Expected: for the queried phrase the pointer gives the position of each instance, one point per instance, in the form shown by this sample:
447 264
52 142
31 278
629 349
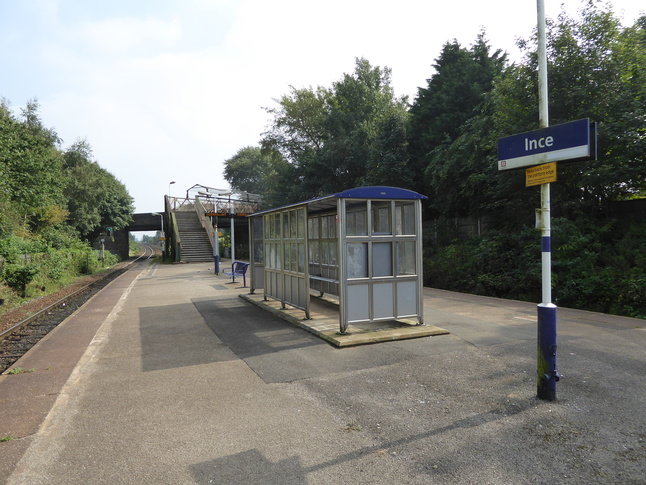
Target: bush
18 277
596 267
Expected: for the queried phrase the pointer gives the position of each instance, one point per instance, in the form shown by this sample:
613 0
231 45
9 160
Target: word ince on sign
530 145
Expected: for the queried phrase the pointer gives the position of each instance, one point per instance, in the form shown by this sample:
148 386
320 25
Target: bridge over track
147 221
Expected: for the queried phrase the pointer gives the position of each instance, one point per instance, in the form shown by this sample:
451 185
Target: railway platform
169 376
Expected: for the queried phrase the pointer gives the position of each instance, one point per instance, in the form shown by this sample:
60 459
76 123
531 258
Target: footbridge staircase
190 234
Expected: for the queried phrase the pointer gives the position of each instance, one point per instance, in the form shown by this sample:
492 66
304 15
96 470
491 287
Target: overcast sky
167 90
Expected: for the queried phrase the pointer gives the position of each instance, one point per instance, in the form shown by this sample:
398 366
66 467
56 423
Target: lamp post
162 221
169 184
163 244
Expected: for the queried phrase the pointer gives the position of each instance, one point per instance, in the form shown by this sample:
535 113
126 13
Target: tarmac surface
168 376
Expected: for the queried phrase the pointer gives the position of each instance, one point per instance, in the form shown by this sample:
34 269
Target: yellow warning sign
541 174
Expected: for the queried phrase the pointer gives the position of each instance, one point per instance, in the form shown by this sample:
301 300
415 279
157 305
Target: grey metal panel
407 298
358 303
257 277
383 305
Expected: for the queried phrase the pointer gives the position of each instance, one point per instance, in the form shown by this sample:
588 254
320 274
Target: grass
20 370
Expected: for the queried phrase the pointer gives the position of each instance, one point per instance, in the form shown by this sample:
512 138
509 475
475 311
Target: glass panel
323 226
332 226
405 218
325 253
382 262
350 224
278 251
301 258
257 252
276 232
301 223
316 255
315 228
285 216
293 257
381 218
357 260
359 222
293 224
257 227
286 256
333 254
406 258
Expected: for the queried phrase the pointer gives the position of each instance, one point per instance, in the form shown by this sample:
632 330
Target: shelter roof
328 202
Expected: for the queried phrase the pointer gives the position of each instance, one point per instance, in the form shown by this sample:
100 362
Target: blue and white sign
569 141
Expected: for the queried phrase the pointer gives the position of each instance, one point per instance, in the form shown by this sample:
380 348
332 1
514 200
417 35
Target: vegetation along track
18 339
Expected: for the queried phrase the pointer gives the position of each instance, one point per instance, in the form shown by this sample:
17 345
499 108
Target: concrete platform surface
168 376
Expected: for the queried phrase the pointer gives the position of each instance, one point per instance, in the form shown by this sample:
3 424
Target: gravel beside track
16 316
70 298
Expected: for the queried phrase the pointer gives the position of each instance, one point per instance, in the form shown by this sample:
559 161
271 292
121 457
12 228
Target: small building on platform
362 245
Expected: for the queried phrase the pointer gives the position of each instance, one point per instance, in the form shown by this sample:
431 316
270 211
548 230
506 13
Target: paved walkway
168 376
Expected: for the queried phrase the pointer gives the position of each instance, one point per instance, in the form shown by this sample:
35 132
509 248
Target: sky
168 90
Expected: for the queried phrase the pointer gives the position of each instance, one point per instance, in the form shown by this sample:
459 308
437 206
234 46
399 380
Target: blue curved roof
379 192
328 201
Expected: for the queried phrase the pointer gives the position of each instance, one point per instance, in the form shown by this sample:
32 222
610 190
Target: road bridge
146 221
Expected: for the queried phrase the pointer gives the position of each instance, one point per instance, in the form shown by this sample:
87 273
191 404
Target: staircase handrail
206 223
177 241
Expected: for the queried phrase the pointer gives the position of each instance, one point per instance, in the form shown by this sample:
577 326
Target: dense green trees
43 186
53 202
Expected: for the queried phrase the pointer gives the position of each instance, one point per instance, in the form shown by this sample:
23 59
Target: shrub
19 276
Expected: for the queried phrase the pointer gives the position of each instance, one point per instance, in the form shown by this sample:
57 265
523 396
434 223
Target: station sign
573 141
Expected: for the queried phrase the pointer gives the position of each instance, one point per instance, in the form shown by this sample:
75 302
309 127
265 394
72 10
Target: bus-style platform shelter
363 245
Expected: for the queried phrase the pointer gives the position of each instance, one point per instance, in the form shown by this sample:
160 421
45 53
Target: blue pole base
547 374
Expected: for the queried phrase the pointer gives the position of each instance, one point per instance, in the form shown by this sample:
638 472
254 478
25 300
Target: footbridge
210 211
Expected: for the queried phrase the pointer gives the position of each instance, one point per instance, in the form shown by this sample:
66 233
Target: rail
206 223
148 253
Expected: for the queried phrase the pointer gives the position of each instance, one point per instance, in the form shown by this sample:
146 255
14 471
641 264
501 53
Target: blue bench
238 268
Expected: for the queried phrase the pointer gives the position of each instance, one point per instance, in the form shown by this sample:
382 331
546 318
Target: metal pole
547 375
233 240
216 249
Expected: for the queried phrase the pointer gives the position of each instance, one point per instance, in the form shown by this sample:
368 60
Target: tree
351 134
453 95
95 197
258 171
30 165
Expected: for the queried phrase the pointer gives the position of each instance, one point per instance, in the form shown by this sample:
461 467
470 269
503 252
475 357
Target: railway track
17 340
